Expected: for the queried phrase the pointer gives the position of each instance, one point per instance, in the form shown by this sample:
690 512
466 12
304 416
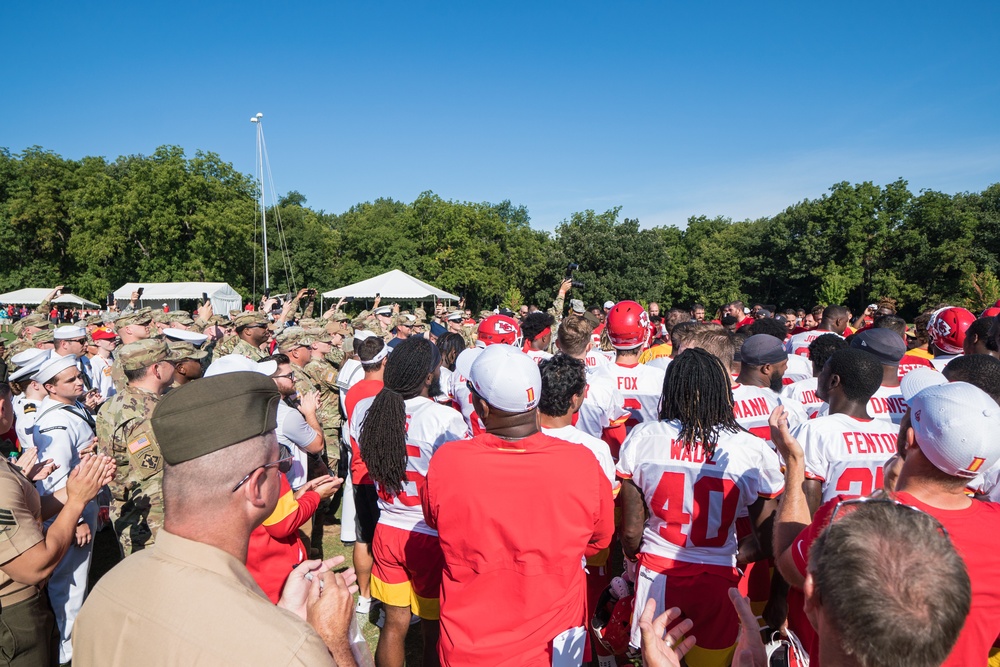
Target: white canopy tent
224 298
35 295
394 284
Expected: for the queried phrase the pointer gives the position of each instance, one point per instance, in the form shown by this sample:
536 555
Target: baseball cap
506 378
576 305
182 350
185 335
53 367
464 360
917 380
69 333
337 327
103 333
291 338
761 349
885 344
608 305
955 424
237 363
437 330
139 317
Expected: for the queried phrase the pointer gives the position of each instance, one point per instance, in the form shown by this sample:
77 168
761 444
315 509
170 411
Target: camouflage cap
36 320
318 335
144 353
341 316
420 313
220 321
308 322
404 319
249 318
97 318
213 413
183 350
180 317
160 317
337 327
44 336
291 338
139 317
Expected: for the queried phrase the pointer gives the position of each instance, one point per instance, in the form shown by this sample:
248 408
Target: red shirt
975 532
275 548
513 576
361 390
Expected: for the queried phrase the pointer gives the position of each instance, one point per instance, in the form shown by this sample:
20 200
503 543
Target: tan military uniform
224 346
124 432
247 350
187 603
324 377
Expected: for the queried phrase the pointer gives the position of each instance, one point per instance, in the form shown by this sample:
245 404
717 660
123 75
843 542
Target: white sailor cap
69 333
192 337
31 366
53 367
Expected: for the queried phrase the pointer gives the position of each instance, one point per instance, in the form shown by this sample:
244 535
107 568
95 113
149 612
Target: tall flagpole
263 215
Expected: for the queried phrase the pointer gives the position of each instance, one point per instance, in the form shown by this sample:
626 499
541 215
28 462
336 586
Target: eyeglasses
286 376
284 465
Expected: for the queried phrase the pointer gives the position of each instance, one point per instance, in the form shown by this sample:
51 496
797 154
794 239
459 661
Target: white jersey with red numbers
640 385
693 502
428 426
887 404
538 356
595 360
987 484
846 454
799 368
596 445
752 407
603 407
799 343
804 393
939 362
461 400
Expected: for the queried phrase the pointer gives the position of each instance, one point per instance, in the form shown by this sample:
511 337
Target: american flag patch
139 443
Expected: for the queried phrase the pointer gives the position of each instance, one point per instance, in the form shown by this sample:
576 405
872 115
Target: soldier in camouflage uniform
189 362
337 330
124 432
323 376
380 322
130 327
252 331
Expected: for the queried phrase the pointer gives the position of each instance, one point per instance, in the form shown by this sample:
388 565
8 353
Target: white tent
35 295
394 284
224 298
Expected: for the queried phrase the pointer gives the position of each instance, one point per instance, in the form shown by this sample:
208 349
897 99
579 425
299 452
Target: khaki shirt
20 527
186 603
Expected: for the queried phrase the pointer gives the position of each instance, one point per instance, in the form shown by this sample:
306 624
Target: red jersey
513 577
975 532
911 361
361 390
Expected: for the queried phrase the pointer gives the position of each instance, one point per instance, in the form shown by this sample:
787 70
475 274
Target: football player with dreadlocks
401 428
692 472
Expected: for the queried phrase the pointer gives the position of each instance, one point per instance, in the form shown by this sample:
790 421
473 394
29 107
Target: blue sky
667 109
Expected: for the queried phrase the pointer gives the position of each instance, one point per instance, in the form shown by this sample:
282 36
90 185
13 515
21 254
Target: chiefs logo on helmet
499 329
946 328
628 325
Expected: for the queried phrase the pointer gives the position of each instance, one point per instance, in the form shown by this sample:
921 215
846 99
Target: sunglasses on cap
843 508
284 465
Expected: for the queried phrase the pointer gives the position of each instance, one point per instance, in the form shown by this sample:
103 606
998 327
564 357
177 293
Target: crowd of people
563 486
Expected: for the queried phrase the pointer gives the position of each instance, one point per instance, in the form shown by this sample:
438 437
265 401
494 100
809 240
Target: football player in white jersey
692 472
804 391
603 414
401 428
846 450
834 321
763 361
494 330
627 326
798 367
537 331
888 347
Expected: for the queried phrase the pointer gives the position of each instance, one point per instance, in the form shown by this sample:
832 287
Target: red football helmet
992 311
628 325
500 329
612 623
946 328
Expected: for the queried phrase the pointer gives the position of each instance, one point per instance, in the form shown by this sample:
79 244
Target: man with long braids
693 471
401 428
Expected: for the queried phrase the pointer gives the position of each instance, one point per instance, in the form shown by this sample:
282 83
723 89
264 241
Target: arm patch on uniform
29 408
139 443
8 524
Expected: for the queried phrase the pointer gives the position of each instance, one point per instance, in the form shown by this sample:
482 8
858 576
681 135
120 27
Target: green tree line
95 224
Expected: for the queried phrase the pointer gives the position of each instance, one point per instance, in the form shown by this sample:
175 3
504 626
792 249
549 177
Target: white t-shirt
445 380
101 368
428 426
599 448
603 407
804 392
694 503
799 368
595 360
887 404
846 454
295 433
941 361
752 407
640 385
461 399
538 356
799 343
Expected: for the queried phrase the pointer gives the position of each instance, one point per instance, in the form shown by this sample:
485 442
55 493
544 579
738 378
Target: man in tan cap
190 600
123 432
337 329
252 331
130 327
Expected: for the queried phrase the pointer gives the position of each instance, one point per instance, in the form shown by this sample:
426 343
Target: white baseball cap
917 380
363 334
465 359
29 367
956 425
69 333
192 337
235 363
608 305
53 367
506 378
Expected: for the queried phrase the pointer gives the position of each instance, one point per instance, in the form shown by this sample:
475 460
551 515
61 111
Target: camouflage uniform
124 432
246 349
141 316
323 377
224 346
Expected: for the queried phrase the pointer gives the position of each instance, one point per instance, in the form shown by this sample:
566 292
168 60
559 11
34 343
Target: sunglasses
284 465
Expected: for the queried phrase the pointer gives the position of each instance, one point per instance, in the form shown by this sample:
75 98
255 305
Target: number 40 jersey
694 501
